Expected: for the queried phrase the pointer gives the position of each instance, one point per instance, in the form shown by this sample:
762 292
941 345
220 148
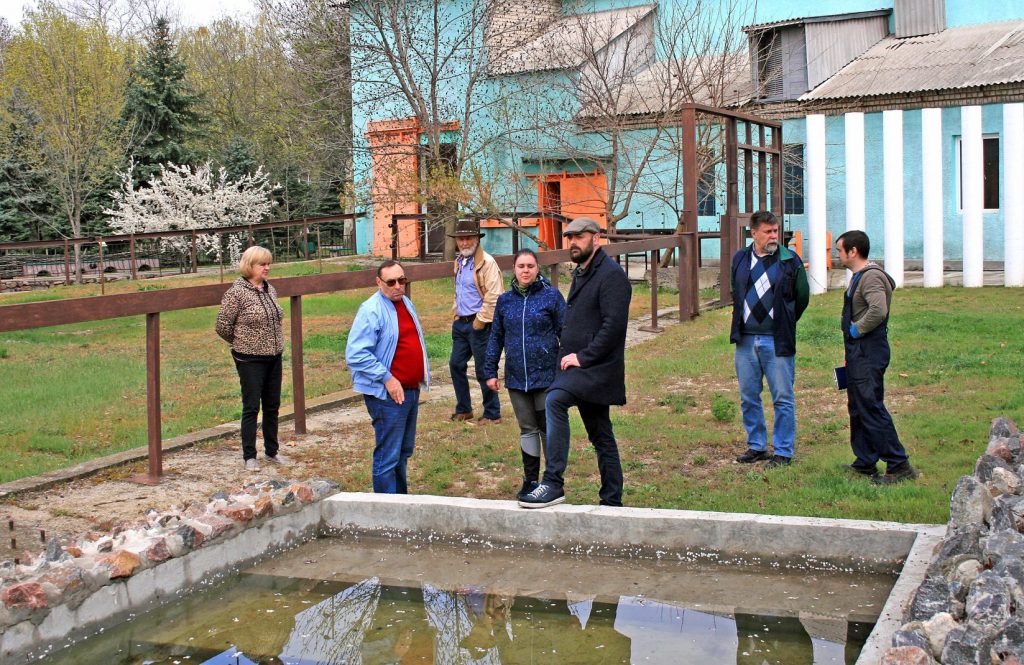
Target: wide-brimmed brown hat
465 228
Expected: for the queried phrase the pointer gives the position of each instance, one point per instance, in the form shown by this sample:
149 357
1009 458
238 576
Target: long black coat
596 314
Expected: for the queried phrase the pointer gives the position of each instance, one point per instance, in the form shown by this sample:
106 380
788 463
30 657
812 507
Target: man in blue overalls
865 335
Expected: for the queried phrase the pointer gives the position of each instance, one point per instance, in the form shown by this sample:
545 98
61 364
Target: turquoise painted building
567 106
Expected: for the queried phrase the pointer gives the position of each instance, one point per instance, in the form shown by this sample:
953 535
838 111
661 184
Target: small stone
219 496
27 595
158 551
74 550
1010 568
1002 512
1000 447
971 503
988 603
122 563
1004 481
191 539
264 506
104 545
272 484
960 544
175 545
1002 544
1011 640
932 597
1002 427
987 464
910 638
965 646
54 552
65 584
907 655
937 629
237 512
218 525
302 492
967 572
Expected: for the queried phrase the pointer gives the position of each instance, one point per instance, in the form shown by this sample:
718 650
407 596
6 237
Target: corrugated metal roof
561 46
816 19
963 57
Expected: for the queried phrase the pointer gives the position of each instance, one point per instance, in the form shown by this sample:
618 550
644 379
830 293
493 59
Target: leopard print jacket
250 319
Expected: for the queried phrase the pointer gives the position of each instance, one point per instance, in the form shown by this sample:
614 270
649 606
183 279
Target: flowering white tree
184 198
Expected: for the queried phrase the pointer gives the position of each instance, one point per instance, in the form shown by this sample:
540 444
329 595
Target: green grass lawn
72 393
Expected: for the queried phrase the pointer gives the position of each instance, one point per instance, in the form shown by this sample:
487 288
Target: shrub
722 408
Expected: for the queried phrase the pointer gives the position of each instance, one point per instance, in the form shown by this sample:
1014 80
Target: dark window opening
706 205
793 178
769 64
990 173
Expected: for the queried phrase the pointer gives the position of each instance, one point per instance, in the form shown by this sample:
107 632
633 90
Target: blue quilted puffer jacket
526 327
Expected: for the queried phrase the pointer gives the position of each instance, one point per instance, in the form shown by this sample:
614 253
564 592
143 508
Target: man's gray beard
466 253
771 247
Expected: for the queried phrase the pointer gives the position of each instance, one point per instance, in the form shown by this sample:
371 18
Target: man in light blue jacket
387 356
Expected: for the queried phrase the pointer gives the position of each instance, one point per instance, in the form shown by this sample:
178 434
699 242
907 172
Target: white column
1013 194
854 171
972 176
815 180
892 174
931 189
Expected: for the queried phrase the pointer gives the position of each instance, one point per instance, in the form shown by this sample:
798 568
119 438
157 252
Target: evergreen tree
160 107
26 211
240 158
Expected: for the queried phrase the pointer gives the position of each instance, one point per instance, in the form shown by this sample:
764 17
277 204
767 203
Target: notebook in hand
840 373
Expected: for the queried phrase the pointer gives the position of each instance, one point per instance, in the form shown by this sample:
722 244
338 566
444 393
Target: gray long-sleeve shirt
872 298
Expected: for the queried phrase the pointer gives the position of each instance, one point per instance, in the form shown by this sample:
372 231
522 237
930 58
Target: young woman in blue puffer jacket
527 324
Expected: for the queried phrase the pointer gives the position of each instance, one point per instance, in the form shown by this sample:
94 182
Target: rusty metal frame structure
512 216
153 303
68 243
769 159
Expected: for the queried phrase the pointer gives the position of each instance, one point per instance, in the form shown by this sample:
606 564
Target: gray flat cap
581 225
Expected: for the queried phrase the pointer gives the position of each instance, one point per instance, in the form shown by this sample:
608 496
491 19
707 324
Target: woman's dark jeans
260 377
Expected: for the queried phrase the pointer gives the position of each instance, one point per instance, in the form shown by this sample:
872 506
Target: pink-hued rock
1000 448
122 563
215 523
64 584
158 551
74 550
303 493
907 656
237 512
264 506
27 595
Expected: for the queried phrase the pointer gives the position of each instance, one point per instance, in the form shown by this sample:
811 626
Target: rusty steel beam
298 368
156 468
655 260
690 175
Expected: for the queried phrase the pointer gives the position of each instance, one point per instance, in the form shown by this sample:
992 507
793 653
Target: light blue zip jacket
372 342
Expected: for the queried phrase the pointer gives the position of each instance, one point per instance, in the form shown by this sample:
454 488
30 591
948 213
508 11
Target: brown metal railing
153 303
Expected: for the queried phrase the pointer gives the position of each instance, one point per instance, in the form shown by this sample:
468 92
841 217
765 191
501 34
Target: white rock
937 630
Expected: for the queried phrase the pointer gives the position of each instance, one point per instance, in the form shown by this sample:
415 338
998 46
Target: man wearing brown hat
478 284
591 370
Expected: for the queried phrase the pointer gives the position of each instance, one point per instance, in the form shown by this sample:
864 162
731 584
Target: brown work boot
457 417
484 420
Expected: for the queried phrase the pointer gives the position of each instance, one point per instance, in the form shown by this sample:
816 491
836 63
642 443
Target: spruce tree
26 211
240 158
160 106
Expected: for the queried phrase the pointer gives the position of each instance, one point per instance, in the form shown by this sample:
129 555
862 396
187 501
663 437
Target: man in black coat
591 372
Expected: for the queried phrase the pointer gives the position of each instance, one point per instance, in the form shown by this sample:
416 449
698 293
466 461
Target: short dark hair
387 264
856 240
762 217
529 252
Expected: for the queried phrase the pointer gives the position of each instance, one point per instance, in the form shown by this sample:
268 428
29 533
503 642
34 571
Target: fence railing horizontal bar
96 308
312 221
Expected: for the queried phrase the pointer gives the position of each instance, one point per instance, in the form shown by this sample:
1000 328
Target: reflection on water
305 619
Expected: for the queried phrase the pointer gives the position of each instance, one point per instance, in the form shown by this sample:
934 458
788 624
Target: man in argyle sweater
769 293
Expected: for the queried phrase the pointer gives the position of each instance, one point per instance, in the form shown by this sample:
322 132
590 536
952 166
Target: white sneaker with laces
252 465
278 459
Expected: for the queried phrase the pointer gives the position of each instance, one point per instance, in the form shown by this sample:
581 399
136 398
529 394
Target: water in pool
340 601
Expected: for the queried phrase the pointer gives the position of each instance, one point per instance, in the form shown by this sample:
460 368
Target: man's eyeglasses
398 280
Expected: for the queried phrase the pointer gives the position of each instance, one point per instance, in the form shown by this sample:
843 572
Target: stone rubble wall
70 591
970 608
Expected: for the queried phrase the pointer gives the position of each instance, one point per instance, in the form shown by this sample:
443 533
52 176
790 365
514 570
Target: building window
706 194
793 178
990 169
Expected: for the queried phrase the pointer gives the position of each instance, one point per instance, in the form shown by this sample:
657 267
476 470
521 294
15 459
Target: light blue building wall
510 146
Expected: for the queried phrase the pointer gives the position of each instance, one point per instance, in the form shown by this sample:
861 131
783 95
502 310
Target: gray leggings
529 410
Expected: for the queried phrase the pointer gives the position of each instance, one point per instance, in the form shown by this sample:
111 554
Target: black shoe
542 496
897 475
528 486
777 461
870 471
752 456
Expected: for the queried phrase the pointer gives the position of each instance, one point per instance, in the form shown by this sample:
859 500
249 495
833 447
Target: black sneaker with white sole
542 496
528 486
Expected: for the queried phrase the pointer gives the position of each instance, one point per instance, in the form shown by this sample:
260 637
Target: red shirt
407 365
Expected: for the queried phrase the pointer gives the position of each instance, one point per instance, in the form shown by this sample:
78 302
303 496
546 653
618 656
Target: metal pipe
298 375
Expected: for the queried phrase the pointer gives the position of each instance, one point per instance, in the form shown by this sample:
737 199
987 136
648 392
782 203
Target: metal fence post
655 260
156 469
298 371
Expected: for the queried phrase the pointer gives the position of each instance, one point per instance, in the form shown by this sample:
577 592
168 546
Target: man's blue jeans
469 343
755 361
394 427
599 430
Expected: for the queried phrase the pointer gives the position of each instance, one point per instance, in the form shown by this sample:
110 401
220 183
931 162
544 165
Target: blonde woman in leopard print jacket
250 321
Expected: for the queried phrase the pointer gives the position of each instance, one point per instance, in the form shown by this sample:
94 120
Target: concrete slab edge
26 641
224 431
